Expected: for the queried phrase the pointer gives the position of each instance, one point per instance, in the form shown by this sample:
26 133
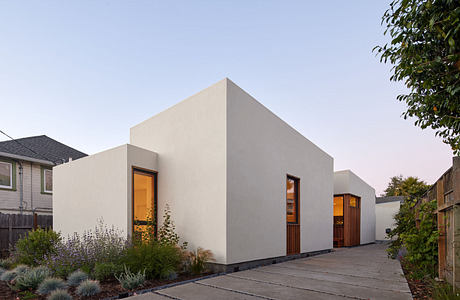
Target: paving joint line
299 288
234 291
166 295
342 274
361 286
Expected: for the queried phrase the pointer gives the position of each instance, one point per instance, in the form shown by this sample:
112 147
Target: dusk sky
84 72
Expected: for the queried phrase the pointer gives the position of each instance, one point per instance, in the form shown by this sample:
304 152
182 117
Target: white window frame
11 176
44 180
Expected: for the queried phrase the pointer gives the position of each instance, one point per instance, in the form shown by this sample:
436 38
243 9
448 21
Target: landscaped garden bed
109 289
99 264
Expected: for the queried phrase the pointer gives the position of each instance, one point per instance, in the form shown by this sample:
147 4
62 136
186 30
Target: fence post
35 221
10 230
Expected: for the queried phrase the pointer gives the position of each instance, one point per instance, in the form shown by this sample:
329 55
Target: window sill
8 189
46 193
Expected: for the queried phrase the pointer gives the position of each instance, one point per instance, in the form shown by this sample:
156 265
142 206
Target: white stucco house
354 210
238 180
385 210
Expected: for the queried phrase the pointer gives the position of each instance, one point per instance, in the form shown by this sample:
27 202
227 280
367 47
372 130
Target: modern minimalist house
238 180
385 210
354 210
26 176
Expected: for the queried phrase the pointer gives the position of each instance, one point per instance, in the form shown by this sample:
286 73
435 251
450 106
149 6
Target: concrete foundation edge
221 268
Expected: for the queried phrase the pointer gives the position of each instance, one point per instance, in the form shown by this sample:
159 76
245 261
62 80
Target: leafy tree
410 187
425 52
421 242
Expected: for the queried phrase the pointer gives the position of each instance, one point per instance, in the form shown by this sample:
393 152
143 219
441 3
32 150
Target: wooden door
352 220
292 216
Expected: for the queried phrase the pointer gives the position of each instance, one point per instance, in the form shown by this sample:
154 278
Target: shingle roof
389 199
44 148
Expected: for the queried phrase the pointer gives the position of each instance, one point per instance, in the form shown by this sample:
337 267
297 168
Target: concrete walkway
358 273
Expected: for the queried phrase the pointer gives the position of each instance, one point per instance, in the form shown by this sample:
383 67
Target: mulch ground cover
108 289
420 289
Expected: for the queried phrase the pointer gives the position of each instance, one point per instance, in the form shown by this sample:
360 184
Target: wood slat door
352 221
293 239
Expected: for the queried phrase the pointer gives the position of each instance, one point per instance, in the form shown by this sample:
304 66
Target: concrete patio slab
362 272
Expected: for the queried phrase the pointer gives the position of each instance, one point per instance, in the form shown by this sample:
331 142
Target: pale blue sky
84 72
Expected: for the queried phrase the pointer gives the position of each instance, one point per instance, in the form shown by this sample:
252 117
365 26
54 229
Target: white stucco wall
97 186
384 218
346 182
190 139
261 150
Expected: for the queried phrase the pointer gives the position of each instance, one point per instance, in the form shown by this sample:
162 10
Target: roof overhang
26 158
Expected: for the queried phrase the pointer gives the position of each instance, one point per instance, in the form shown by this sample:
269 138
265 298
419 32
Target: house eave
26 158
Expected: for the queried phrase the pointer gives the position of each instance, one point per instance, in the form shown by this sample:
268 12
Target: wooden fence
15 226
446 192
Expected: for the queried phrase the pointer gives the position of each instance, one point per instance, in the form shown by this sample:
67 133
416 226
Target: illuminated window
338 210
144 203
292 200
354 201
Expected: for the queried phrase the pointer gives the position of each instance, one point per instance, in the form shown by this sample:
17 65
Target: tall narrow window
48 180
292 200
338 210
6 175
144 200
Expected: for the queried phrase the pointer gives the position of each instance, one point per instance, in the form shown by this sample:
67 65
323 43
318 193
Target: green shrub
103 271
59 295
27 295
31 249
32 278
153 258
8 276
196 261
51 284
6 263
129 280
21 269
76 278
88 288
443 291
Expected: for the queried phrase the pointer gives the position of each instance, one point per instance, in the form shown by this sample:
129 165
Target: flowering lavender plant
103 244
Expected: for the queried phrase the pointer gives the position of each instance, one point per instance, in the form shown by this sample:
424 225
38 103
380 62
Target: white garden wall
384 218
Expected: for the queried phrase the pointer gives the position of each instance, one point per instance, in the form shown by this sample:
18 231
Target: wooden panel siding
293 239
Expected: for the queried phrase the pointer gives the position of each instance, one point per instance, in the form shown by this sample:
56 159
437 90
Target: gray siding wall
33 197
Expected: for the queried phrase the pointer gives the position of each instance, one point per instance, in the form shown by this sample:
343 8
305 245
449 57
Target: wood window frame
297 197
42 180
12 186
155 195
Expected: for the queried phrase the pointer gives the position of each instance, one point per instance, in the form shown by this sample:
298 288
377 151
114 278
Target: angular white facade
222 160
347 182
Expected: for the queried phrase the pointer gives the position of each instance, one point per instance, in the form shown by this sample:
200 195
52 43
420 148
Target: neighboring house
26 176
354 210
385 210
238 180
